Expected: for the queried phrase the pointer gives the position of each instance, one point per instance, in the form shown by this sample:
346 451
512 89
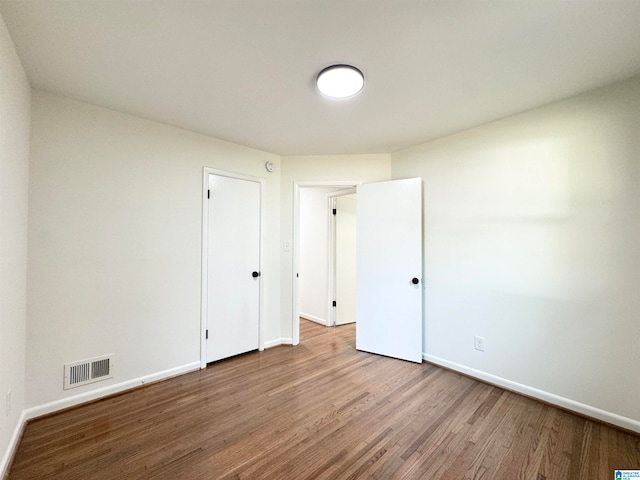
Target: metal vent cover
87 371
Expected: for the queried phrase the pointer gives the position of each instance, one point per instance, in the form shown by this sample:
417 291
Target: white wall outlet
286 246
7 403
478 343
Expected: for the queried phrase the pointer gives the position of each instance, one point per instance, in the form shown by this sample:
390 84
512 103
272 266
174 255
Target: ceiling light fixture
340 81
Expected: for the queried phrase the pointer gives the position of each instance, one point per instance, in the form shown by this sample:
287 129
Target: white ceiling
244 70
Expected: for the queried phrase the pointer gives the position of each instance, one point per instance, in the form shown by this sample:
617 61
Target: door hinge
334 303
206 334
208 193
335 211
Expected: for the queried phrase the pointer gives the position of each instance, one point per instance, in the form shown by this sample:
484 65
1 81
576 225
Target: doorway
315 252
314 267
389 267
327 273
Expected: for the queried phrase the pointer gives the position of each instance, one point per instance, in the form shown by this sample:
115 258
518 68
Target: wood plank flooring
321 410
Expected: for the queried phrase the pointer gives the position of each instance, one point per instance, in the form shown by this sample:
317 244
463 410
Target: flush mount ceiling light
340 81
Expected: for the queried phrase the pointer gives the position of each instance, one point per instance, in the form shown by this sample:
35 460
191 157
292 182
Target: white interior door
233 267
345 261
389 269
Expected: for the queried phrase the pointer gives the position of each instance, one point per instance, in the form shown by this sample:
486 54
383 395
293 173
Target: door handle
415 280
255 274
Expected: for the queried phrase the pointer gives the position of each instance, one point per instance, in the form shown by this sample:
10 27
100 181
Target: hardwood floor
321 410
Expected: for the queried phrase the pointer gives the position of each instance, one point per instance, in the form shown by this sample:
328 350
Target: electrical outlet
8 403
478 343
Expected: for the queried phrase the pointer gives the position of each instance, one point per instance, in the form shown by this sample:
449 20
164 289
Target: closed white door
345 259
389 269
233 267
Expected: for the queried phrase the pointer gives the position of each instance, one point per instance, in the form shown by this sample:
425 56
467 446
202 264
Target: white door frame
207 171
332 250
295 320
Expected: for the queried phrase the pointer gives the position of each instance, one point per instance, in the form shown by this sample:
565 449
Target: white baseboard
63 403
587 410
56 405
13 445
278 341
313 318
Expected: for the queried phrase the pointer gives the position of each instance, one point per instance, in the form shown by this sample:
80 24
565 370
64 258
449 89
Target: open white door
389 269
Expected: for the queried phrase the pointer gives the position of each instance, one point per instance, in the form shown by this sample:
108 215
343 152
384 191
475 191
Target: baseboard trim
313 318
57 405
64 403
14 441
278 341
562 402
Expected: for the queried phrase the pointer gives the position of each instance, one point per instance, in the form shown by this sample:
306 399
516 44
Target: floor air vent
87 371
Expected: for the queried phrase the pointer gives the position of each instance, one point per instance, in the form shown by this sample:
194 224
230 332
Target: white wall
115 244
321 168
15 98
532 240
314 254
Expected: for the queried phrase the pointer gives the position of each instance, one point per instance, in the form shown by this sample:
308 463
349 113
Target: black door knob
415 281
255 274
